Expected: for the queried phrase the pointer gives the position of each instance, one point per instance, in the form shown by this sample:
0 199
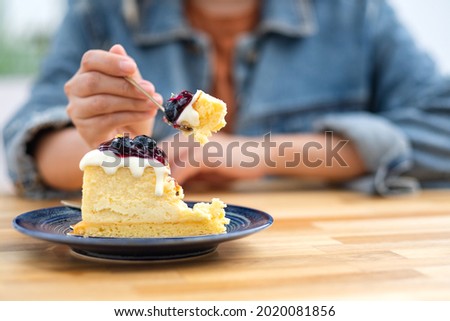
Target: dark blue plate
53 224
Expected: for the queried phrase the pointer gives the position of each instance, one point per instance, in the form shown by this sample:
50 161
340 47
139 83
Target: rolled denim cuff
385 150
21 165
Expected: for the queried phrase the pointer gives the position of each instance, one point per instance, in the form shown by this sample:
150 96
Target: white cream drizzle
111 163
189 116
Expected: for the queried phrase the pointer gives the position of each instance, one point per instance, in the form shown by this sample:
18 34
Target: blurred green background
26 27
22 58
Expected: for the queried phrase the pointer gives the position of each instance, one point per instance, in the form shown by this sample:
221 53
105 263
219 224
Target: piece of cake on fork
128 192
199 114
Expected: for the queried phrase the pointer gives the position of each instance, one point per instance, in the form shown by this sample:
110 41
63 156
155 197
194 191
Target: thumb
119 50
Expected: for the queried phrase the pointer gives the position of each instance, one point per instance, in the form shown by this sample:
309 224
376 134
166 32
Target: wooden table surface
323 245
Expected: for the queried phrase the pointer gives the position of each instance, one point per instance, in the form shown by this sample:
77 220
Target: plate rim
144 242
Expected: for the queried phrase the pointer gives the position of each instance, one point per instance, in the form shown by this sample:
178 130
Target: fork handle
138 87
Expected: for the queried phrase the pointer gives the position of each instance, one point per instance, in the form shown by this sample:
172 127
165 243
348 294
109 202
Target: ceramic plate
53 224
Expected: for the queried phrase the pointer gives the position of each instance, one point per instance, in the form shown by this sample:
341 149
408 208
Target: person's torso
305 59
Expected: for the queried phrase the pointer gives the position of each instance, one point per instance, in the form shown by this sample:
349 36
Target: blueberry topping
141 146
175 106
127 145
116 143
144 142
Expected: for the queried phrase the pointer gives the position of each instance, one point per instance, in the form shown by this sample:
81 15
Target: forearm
300 155
57 156
319 156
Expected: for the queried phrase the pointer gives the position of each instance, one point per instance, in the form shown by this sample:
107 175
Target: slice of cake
199 114
128 192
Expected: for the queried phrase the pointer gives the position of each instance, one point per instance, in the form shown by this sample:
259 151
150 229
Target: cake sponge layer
122 205
148 229
211 113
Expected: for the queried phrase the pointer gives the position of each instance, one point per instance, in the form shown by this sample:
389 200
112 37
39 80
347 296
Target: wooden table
323 245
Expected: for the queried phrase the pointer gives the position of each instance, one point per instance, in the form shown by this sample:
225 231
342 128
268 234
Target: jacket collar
291 18
164 21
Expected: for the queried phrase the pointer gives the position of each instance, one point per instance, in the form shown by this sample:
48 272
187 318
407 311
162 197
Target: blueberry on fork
175 106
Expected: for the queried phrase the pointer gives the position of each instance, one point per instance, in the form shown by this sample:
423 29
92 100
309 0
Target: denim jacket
346 66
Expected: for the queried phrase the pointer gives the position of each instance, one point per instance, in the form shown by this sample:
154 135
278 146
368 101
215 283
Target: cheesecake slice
128 192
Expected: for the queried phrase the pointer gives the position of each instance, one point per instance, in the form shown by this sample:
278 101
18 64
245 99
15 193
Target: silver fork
138 87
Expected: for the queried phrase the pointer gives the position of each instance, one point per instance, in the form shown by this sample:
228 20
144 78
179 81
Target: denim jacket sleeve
407 131
46 109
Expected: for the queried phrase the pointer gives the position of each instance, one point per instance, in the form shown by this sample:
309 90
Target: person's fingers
111 121
97 105
107 62
159 99
118 49
93 83
120 119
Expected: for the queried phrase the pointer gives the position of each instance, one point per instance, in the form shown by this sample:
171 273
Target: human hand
224 158
103 104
